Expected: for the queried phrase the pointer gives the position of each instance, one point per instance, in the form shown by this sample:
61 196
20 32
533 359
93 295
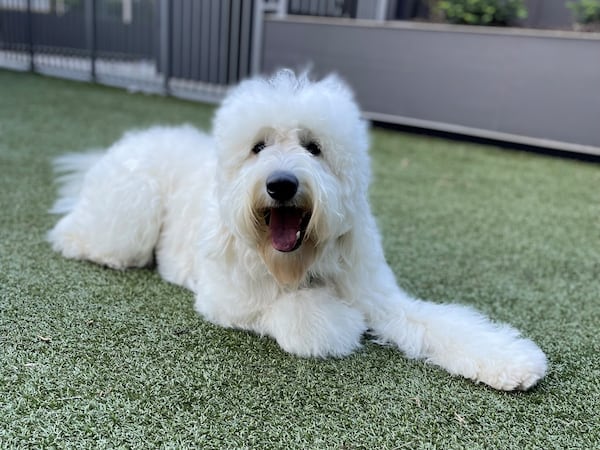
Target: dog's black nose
282 186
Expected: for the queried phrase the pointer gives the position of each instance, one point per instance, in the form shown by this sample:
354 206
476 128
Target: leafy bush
586 11
483 12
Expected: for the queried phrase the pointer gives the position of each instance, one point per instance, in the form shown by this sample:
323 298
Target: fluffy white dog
268 223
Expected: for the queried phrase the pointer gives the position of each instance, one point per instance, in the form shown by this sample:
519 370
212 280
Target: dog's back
115 200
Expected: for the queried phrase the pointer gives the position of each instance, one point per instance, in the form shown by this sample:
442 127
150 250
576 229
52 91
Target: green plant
585 11
482 12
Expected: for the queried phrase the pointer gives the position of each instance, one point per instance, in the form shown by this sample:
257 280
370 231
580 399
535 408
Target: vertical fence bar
90 29
214 45
204 23
247 12
257 41
30 36
186 25
165 60
224 42
234 40
195 46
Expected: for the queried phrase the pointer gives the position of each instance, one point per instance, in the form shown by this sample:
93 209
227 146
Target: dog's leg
313 322
454 337
114 219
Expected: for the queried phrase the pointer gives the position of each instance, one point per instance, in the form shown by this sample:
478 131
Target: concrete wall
548 14
523 86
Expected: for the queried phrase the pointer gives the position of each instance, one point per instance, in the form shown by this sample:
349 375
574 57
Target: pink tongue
284 225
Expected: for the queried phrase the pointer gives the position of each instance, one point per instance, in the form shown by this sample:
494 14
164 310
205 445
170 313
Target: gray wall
467 81
548 14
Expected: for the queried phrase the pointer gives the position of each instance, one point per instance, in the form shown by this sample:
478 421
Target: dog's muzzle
287 222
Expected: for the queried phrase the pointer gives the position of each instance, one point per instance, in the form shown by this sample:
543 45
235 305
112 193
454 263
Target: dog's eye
313 148
258 147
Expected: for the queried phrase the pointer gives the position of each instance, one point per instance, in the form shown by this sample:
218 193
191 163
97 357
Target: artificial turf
95 358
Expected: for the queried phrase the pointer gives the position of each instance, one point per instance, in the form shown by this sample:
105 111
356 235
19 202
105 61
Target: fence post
282 8
258 19
90 28
30 36
165 20
374 10
381 10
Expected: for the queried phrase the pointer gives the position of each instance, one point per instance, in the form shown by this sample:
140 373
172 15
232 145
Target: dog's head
293 168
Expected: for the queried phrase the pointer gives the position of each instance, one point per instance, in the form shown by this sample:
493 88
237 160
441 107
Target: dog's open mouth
287 226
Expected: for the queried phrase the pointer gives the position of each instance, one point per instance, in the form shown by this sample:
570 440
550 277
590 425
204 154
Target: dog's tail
70 170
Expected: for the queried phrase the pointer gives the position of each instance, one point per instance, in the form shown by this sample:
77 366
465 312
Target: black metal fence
67 29
325 8
210 40
193 48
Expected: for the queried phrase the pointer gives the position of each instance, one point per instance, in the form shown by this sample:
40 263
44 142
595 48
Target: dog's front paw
313 323
466 343
519 366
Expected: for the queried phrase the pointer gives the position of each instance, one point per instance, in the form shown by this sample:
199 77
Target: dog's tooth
298 234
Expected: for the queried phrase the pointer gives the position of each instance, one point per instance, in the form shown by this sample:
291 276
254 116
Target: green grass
94 358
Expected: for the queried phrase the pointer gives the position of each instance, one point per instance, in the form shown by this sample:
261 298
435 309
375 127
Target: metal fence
190 48
325 8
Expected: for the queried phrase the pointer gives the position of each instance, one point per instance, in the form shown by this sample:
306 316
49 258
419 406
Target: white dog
269 225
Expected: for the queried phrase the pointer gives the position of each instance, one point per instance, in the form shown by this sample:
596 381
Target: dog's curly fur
268 223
